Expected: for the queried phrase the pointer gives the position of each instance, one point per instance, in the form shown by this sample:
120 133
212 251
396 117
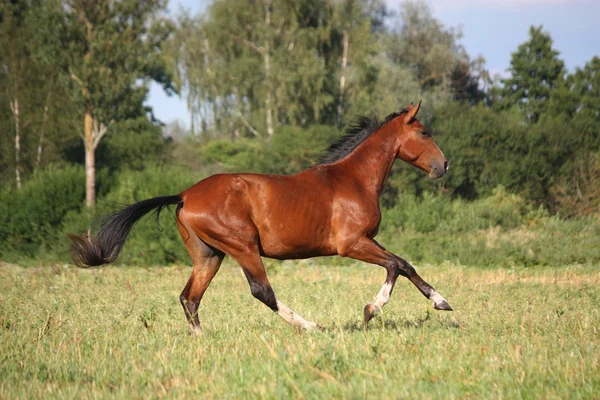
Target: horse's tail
88 251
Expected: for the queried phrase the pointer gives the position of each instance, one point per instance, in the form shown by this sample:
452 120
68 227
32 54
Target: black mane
360 129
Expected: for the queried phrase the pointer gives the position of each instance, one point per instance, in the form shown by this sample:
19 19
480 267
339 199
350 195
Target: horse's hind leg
206 264
260 288
370 251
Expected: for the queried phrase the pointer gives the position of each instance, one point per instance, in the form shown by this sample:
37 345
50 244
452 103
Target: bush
151 242
290 151
500 230
435 212
32 216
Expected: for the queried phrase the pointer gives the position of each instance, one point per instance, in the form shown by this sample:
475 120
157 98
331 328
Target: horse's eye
425 133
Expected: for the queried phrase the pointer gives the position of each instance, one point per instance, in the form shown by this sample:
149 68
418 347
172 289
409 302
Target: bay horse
329 209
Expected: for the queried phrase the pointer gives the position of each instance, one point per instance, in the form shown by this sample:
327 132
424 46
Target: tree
356 20
585 83
113 51
30 82
535 72
576 105
15 54
249 66
434 54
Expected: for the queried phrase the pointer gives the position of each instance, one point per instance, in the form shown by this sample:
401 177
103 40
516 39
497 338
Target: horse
329 209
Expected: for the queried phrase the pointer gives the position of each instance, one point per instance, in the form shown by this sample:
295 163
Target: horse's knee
404 268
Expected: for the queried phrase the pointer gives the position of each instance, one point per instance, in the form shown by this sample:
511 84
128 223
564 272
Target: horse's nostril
446 165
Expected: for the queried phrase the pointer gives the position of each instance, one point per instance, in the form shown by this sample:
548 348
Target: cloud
445 5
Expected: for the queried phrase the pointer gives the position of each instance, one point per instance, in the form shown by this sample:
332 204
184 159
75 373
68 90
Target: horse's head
417 146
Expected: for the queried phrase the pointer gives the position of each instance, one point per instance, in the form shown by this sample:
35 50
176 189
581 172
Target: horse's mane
360 129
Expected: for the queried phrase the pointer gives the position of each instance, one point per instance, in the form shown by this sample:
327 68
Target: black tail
105 248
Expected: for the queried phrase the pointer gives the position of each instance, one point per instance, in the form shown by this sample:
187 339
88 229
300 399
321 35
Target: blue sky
491 28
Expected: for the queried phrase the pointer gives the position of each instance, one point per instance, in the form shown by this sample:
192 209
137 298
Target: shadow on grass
380 323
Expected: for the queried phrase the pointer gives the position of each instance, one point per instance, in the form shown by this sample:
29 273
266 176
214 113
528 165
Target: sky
491 28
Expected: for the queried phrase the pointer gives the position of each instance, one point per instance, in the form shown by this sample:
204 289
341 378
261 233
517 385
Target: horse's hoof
195 330
442 305
309 326
370 311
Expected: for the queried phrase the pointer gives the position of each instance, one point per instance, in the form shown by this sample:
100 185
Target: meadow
120 332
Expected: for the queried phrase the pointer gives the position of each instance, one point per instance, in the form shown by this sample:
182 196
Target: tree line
269 83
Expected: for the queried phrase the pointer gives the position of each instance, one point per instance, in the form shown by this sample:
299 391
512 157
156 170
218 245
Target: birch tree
113 53
14 63
251 65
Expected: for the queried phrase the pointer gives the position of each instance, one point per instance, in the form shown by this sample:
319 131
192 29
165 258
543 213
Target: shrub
291 150
151 242
32 215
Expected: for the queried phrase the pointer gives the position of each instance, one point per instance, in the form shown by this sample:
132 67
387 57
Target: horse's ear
410 106
412 113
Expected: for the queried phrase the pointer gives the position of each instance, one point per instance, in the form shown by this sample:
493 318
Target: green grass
120 332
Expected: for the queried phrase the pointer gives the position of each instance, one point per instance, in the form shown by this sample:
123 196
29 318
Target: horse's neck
370 163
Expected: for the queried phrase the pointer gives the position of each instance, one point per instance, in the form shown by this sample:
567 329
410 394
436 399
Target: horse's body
280 227
329 209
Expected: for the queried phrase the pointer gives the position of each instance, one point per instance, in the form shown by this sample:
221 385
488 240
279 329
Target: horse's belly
293 215
288 241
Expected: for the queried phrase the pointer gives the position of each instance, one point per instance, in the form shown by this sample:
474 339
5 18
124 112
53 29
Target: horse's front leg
370 251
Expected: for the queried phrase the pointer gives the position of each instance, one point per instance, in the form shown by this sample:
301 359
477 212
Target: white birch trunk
90 160
16 115
268 105
14 108
38 159
340 107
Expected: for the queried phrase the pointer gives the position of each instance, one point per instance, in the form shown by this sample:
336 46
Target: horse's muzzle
438 169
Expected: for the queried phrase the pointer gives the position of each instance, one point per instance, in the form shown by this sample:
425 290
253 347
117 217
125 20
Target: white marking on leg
195 330
436 298
294 319
383 297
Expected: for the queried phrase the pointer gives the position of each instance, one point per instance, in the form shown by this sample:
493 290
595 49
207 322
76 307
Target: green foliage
151 242
291 150
36 219
242 155
268 60
436 213
111 47
535 71
486 148
502 229
31 79
131 145
440 65
63 59
325 62
30 216
537 134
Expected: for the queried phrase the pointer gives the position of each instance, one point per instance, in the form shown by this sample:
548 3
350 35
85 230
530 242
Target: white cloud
446 5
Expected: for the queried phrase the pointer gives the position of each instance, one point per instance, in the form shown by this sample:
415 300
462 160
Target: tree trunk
14 106
38 159
268 69
90 161
340 107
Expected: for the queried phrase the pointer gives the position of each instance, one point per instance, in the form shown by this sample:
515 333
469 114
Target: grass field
120 332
